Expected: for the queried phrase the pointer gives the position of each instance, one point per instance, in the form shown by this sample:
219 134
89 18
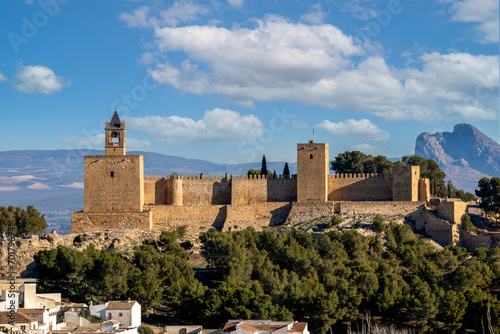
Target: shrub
467 224
145 330
335 220
378 223
187 245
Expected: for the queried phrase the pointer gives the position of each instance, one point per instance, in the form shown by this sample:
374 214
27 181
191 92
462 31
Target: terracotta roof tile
19 318
31 310
299 327
117 305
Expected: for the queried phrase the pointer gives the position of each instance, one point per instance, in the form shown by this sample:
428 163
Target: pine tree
263 169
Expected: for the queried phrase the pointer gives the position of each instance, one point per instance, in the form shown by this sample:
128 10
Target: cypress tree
286 171
263 169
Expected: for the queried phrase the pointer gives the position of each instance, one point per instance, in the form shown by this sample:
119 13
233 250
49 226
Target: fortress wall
358 187
113 183
413 210
240 217
215 191
257 189
195 218
405 183
101 221
306 211
472 241
452 210
155 190
440 230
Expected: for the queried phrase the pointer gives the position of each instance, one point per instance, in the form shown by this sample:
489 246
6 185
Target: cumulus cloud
217 125
482 13
2 77
38 80
183 11
315 15
362 130
97 143
278 60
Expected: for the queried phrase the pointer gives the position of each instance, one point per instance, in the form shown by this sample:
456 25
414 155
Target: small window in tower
112 174
116 137
311 156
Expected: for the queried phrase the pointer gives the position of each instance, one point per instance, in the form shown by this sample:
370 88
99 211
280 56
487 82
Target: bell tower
115 136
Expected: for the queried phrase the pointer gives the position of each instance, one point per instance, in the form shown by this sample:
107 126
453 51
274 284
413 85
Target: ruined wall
101 221
258 215
405 183
452 210
312 172
440 230
259 189
472 241
195 218
359 187
113 183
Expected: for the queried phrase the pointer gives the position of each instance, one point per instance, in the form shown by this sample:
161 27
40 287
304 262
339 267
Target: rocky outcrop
465 155
26 249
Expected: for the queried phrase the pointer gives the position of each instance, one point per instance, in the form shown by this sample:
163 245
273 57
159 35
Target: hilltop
466 155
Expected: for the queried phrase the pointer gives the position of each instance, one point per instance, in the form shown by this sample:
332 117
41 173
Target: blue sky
230 80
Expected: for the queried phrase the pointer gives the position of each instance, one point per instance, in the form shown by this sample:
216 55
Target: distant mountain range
466 155
53 180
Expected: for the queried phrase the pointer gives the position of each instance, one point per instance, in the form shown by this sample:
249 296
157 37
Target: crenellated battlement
358 176
217 177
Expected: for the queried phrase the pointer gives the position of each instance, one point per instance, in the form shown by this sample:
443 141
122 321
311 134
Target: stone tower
405 183
312 172
115 136
114 182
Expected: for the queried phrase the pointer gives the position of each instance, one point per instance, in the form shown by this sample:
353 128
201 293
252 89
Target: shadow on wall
280 215
221 193
221 218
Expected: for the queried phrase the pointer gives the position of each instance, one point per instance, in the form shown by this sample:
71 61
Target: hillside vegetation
327 279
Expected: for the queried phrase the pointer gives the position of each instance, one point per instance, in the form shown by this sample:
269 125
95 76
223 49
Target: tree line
25 222
328 280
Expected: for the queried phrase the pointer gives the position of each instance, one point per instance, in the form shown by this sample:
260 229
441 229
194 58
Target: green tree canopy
28 221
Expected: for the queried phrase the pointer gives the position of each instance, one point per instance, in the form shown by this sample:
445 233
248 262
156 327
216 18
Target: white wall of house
11 298
127 317
99 310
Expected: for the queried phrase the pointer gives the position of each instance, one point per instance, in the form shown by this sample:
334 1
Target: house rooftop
120 305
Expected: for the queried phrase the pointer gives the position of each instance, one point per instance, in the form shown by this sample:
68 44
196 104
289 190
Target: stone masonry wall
452 210
440 230
359 187
306 211
196 191
259 189
424 191
101 221
113 183
256 215
196 218
405 183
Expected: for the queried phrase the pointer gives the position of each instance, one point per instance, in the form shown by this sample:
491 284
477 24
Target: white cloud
97 143
482 13
299 124
235 3
181 11
277 60
350 128
217 125
315 15
38 80
2 78
361 12
366 149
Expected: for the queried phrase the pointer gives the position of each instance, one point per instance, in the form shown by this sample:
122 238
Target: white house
17 322
46 316
128 313
265 327
31 299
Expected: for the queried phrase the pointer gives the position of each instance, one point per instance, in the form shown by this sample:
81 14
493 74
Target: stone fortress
117 195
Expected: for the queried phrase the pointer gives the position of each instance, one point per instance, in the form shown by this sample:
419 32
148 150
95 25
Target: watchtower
115 136
312 172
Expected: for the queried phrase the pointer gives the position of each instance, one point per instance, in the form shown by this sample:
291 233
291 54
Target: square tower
405 183
312 172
